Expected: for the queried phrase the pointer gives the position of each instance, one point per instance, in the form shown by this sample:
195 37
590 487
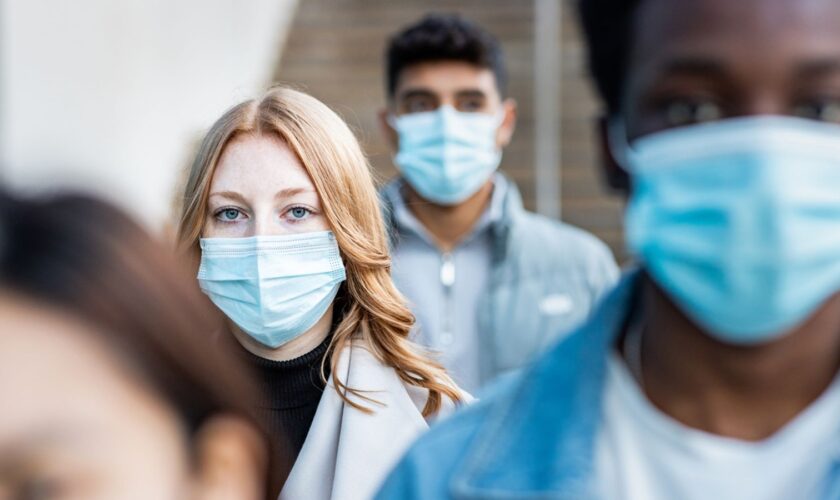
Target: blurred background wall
113 96
335 51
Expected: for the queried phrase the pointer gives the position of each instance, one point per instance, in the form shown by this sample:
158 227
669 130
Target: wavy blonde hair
332 157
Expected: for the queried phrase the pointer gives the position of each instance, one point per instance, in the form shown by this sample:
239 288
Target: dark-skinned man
710 372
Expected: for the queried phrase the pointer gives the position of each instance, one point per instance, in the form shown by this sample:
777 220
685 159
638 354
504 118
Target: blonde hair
332 157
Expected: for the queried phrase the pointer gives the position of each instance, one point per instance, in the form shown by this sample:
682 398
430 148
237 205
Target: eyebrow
29 443
693 66
471 93
228 194
289 192
818 68
411 93
283 193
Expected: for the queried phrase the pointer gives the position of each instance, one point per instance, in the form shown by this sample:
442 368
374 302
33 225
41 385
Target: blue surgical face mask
739 221
274 288
447 155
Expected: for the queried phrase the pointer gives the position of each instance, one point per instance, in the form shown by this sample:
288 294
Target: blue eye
229 214
299 213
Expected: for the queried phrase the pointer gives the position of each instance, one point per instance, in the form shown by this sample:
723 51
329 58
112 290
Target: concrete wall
112 96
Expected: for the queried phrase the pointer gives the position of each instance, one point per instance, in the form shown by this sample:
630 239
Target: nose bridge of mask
470 125
448 123
261 257
670 146
306 259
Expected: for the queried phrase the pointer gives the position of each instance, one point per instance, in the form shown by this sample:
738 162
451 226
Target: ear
508 126
617 178
388 131
231 461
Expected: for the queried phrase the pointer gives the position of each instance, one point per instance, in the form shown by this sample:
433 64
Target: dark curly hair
607 28
443 37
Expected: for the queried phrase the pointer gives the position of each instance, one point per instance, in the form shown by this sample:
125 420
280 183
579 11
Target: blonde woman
282 219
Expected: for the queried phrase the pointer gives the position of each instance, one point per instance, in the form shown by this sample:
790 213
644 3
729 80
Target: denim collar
540 441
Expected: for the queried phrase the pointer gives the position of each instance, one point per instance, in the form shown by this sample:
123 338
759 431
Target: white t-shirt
643 454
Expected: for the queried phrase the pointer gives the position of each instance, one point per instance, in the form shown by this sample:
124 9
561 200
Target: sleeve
408 482
603 273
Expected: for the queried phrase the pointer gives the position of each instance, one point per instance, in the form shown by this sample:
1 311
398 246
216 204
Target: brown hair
330 154
87 258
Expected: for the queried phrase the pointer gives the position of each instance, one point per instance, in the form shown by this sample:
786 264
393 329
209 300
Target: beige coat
347 453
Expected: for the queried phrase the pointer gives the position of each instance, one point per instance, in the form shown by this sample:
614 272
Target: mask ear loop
500 118
618 144
391 120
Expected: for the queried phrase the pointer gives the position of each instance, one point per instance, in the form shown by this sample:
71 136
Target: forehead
447 77
255 163
56 377
750 33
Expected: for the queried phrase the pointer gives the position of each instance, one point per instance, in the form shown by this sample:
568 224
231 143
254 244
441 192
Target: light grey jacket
545 279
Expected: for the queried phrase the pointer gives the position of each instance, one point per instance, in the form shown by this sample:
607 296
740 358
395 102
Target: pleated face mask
275 288
447 155
739 221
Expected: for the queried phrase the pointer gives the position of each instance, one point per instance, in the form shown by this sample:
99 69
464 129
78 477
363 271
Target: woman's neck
295 348
744 392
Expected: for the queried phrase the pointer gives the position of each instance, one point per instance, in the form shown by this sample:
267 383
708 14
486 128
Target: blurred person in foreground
109 387
711 372
490 283
282 221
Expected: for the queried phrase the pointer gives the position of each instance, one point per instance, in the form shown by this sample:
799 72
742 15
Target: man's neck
448 225
742 392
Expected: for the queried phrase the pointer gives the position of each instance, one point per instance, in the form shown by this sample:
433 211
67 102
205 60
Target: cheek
123 446
124 472
154 447
207 230
319 223
214 228
313 223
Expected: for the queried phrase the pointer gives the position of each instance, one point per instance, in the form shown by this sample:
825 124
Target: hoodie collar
505 206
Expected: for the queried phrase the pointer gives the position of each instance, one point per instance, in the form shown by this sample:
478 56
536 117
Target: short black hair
607 28
443 37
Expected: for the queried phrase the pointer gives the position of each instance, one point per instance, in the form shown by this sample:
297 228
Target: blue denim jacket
534 259
533 435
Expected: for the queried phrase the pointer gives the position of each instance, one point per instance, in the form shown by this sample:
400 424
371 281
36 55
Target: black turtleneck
291 393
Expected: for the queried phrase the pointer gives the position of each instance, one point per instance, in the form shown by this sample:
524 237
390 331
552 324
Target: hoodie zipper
447 280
